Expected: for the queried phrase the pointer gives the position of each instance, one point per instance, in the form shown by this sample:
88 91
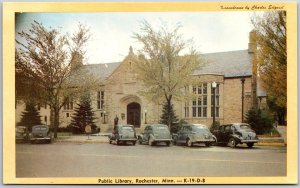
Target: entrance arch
134 114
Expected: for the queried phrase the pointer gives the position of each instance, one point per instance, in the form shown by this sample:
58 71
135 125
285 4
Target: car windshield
162 128
245 126
199 129
127 129
40 128
20 129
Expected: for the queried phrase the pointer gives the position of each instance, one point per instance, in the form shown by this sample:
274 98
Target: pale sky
111 33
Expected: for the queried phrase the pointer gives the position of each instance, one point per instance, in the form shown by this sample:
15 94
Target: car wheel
133 143
168 143
189 143
140 141
31 141
250 145
150 142
208 144
232 142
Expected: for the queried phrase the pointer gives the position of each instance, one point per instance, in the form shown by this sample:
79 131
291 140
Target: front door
134 114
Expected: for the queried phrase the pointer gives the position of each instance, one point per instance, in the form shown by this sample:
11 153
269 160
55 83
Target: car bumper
40 139
127 139
249 141
202 140
162 140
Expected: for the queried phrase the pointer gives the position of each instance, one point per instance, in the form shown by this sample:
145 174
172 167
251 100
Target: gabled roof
229 64
101 71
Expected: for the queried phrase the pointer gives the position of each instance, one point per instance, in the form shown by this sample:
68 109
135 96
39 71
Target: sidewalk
96 138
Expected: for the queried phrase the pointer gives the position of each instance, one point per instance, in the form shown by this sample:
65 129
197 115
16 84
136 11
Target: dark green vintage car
191 134
236 133
123 134
40 133
155 133
22 134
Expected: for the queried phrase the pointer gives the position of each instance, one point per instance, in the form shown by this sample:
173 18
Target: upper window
100 99
69 104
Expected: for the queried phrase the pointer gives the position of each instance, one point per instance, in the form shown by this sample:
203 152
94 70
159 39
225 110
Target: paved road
104 160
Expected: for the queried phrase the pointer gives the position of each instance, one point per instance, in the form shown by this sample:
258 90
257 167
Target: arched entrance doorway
134 114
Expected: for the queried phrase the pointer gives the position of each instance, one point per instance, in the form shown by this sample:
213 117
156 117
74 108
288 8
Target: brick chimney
252 42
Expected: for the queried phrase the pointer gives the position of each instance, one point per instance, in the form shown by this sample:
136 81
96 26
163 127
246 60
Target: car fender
215 138
140 136
152 136
236 137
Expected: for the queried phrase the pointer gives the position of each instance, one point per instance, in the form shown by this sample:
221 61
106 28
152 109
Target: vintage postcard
150 93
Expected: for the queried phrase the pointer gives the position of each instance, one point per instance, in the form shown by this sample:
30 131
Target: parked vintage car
22 134
40 133
123 134
236 133
155 133
191 134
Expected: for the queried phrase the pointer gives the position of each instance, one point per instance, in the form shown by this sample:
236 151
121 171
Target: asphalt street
105 160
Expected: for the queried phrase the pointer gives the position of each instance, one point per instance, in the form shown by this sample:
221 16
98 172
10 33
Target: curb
106 141
82 141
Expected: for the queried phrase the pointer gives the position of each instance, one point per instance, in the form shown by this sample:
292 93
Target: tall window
100 99
69 104
186 104
217 100
199 105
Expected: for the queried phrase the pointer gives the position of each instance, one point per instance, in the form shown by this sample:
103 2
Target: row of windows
100 102
199 105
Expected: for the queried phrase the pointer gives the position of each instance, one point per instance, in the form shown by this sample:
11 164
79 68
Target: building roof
101 71
229 64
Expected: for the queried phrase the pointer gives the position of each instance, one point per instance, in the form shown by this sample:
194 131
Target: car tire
232 143
250 145
168 143
140 141
208 144
133 143
150 141
189 143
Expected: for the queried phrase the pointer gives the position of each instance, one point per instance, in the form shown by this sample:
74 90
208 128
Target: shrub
260 120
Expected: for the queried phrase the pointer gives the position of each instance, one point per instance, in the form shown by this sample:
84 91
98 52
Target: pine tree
83 116
30 116
166 113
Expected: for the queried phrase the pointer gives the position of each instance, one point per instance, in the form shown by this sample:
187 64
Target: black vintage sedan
236 133
191 134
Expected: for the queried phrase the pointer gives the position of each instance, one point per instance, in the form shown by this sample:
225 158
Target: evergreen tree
83 116
168 113
260 120
30 116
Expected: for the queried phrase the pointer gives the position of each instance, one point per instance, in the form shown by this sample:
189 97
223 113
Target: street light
104 114
243 83
145 116
214 85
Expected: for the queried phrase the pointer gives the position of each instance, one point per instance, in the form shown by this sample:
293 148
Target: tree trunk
169 113
56 121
